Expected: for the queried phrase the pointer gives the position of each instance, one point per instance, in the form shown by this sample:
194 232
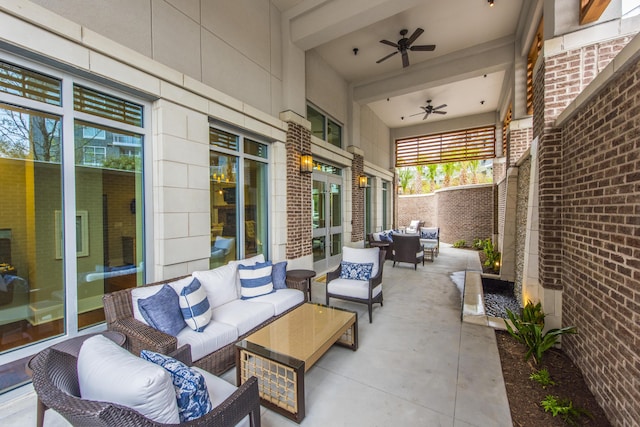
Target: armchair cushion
190 387
219 283
356 271
362 256
195 306
429 233
109 373
255 280
162 311
352 288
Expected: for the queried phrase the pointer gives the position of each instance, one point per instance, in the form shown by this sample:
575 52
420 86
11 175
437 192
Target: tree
405 175
448 169
29 135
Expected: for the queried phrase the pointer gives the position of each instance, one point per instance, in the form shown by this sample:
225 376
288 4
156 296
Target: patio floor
417 363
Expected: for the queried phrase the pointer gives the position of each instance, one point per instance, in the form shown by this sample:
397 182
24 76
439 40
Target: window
324 127
468 144
239 196
66 247
93 156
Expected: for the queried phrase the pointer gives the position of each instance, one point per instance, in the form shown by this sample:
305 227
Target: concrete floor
417 363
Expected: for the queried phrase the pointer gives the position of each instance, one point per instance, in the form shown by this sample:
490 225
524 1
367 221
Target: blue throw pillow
386 237
429 233
195 307
191 390
279 275
255 280
162 311
355 271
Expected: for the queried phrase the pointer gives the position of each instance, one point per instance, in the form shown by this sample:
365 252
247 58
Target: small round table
72 346
302 276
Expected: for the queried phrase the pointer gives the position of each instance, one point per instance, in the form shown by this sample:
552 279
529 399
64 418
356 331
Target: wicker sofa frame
119 317
55 380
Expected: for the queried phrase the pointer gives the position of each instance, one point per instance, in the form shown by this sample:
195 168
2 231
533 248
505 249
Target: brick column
298 192
357 199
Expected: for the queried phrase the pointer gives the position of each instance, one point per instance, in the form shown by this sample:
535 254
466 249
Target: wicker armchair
55 380
408 249
372 295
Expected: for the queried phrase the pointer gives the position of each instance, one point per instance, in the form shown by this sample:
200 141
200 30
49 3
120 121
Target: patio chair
347 284
55 380
407 248
414 226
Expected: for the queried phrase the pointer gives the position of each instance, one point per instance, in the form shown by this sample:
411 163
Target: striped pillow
195 306
255 280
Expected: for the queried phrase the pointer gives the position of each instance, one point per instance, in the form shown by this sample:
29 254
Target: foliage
449 169
542 377
460 243
492 255
528 329
564 407
478 244
128 163
405 175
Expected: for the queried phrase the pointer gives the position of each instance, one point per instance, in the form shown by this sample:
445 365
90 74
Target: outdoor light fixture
362 181
306 163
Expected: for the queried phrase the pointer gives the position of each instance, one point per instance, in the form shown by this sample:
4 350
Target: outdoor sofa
232 319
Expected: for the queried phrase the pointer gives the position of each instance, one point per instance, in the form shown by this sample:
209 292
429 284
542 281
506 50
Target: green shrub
460 244
542 377
564 407
527 328
492 256
478 244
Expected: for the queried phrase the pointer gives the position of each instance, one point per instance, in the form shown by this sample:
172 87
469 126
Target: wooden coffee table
280 353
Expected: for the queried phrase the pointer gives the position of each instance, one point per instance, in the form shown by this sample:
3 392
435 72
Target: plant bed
498 297
525 394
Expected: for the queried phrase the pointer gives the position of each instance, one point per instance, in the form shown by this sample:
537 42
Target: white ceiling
465 32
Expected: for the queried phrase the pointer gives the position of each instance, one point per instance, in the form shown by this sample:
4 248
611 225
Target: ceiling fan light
490 3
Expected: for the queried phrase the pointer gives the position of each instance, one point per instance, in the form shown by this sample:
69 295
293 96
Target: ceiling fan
404 45
430 109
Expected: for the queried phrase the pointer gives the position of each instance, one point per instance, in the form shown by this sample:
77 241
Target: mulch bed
525 394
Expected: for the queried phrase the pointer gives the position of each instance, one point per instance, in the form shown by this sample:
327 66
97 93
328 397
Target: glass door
327 221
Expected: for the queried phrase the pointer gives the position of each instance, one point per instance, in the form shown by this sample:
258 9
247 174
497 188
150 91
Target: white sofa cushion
352 288
362 256
244 315
109 373
215 336
219 283
282 299
219 390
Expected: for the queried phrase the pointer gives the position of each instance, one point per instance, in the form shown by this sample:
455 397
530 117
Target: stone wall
600 244
462 213
522 203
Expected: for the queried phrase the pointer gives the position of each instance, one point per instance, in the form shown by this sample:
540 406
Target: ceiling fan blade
440 106
425 116
439 112
405 59
415 35
392 44
417 114
423 47
386 57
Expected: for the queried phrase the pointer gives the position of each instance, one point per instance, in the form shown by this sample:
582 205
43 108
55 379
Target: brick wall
462 213
298 193
519 142
357 199
601 244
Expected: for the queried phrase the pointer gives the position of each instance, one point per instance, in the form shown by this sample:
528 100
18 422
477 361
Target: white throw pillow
219 283
109 373
362 256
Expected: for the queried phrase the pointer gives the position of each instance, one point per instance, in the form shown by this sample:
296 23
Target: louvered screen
109 107
29 84
468 144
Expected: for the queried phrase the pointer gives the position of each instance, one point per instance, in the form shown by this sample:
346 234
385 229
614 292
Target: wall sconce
306 163
363 182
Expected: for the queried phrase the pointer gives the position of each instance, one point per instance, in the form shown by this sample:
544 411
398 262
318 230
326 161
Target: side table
72 346
302 276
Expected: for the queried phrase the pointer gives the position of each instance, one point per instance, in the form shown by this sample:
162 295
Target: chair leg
370 311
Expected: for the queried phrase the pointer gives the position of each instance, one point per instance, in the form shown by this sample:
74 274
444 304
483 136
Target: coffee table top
305 333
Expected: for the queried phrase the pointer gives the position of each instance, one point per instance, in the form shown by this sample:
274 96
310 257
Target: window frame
328 121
